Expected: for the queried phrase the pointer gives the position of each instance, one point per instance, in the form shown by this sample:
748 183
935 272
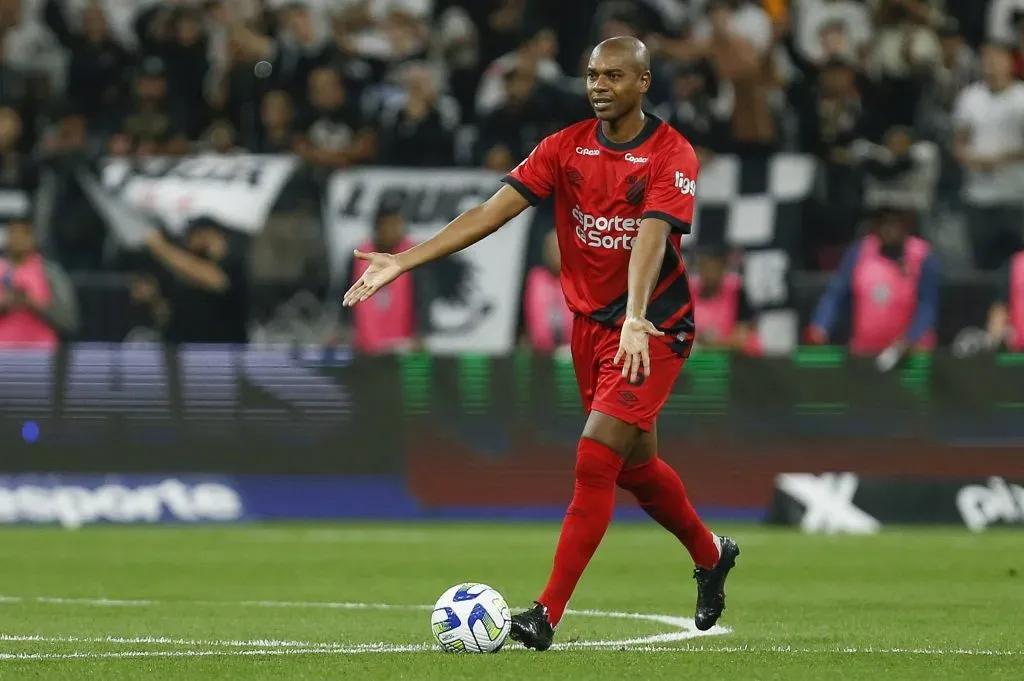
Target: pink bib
21 327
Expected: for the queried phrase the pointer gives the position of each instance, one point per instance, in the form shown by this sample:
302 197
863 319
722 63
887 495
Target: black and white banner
237 191
843 503
753 205
756 205
478 308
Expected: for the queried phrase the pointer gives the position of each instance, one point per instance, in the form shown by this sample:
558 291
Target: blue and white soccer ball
471 618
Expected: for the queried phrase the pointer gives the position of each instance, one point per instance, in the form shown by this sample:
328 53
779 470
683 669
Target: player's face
615 85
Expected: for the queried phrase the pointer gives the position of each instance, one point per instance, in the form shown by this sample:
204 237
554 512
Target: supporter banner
238 191
848 504
757 205
479 290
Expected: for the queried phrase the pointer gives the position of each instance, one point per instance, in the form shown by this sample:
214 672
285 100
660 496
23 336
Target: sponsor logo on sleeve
685 185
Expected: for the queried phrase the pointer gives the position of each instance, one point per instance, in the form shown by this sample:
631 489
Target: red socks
661 494
586 520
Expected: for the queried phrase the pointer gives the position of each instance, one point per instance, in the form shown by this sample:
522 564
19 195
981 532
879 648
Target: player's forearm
467 229
644 265
462 232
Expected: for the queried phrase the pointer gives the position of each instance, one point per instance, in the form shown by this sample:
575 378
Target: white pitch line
684 628
419 648
163 640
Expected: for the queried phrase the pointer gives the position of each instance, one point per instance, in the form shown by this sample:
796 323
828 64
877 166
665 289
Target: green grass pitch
307 602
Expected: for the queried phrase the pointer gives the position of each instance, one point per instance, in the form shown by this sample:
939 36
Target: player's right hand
634 352
384 268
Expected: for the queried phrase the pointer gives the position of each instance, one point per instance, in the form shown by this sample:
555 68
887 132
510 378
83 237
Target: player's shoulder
575 134
668 142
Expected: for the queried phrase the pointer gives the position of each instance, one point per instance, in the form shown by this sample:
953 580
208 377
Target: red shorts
602 386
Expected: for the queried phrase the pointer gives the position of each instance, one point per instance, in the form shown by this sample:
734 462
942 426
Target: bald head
618 77
628 48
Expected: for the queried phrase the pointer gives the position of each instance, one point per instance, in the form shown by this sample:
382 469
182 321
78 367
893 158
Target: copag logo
601 232
583 151
636 159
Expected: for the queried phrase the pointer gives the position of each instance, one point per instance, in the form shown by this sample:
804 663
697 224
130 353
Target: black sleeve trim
676 224
522 189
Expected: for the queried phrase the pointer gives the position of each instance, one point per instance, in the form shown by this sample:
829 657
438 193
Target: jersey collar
650 126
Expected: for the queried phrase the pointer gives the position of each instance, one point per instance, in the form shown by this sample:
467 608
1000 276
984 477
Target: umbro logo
574 176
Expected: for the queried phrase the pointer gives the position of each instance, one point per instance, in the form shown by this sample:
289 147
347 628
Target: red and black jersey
603 190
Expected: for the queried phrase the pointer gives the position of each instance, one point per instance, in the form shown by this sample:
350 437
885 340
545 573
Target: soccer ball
471 618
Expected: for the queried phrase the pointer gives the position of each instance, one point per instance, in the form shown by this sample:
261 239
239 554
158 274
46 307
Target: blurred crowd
908 104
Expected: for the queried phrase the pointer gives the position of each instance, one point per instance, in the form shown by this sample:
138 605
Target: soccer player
624 188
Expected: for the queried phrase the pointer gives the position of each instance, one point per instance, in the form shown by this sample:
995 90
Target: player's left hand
634 352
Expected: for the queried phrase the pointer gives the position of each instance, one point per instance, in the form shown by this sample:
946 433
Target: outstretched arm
465 230
462 232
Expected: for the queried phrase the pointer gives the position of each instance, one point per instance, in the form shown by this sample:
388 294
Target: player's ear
645 82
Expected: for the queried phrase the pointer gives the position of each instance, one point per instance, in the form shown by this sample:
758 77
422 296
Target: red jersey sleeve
534 178
672 188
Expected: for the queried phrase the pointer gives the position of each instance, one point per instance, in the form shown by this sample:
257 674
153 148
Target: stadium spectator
175 34
536 56
220 138
395 323
989 145
77 234
332 132
96 61
1006 316
277 116
737 37
905 52
889 281
822 28
957 68
832 117
18 176
384 31
723 313
204 283
548 318
701 109
508 134
898 172
417 127
38 304
154 123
